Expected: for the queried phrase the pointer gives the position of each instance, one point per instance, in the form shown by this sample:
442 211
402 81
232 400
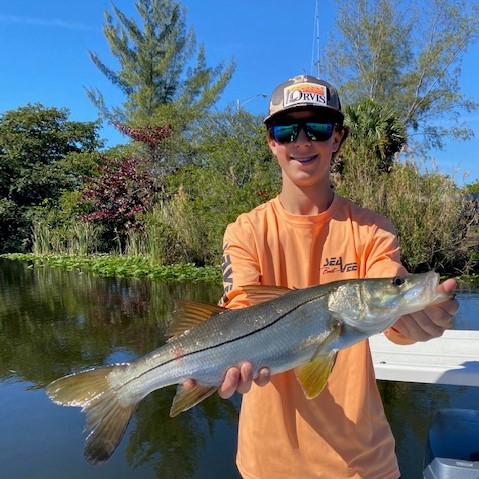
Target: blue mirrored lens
314 131
285 133
319 131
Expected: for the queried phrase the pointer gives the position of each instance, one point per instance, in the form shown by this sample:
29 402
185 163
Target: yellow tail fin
107 417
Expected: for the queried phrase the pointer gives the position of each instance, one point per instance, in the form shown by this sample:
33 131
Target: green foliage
39 152
374 34
125 266
169 234
200 170
376 135
471 187
408 59
427 210
233 172
156 66
57 228
14 226
168 86
426 207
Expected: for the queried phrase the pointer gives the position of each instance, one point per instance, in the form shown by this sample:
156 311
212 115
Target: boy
306 236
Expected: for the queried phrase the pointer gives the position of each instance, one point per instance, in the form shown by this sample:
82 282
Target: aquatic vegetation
124 266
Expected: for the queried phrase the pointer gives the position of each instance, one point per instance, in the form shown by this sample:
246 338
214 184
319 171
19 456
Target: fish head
372 305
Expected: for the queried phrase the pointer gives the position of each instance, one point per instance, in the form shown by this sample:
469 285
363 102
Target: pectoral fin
187 398
314 375
336 331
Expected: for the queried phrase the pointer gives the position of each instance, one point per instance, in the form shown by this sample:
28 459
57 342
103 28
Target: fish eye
397 281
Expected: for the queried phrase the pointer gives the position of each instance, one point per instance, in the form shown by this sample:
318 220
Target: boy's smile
305 160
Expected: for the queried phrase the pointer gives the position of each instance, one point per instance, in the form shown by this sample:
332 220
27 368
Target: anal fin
186 398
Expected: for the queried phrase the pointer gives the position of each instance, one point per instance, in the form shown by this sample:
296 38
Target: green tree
35 165
161 82
427 209
407 58
471 187
376 136
367 156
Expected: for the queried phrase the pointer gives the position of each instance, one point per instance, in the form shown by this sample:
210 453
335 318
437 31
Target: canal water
54 322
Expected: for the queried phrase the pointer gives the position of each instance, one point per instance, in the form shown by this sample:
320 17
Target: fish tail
108 414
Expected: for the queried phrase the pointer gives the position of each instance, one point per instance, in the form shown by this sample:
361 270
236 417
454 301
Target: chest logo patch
336 264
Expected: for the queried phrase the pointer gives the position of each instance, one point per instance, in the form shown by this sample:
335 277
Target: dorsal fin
189 314
258 293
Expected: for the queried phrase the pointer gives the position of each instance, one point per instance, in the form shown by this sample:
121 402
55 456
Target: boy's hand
433 320
239 379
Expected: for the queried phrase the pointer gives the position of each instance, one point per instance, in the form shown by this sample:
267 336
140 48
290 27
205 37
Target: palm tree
376 136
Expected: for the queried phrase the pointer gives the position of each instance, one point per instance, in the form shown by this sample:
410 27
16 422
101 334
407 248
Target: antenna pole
315 52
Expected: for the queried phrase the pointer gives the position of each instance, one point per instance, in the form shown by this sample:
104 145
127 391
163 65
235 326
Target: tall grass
426 208
171 233
41 239
79 238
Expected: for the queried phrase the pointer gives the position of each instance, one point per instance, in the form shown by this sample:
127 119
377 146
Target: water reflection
53 322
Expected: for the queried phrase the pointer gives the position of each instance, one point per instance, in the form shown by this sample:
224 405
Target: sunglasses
288 132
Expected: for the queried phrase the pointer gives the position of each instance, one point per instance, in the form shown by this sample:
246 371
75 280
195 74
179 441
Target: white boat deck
451 359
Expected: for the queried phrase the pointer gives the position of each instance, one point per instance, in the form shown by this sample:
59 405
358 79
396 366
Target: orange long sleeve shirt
343 432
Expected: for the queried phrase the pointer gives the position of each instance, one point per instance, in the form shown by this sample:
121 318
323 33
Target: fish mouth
424 289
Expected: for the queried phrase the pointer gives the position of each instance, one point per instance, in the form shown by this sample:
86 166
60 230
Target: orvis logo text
337 265
305 93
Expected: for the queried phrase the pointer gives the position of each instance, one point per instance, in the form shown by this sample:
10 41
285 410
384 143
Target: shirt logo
337 265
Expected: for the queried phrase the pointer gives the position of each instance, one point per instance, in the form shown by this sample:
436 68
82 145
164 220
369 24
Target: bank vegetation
165 197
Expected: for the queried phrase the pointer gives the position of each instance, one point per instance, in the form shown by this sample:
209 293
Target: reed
76 238
172 233
41 238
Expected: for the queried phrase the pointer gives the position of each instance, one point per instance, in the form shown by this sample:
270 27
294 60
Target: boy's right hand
239 379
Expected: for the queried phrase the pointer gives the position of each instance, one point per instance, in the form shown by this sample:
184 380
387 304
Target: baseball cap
304 92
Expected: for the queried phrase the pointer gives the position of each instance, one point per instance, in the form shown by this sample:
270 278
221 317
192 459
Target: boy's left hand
433 320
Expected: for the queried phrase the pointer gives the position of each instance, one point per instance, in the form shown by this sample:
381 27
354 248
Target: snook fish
283 329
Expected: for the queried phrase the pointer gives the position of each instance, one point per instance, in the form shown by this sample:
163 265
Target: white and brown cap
304 92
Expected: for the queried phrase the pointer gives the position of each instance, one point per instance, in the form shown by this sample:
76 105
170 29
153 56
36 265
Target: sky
44 50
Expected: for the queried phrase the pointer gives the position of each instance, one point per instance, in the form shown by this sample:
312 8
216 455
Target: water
53 322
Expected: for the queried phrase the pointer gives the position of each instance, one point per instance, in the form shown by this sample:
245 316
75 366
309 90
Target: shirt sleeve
240 265
381 253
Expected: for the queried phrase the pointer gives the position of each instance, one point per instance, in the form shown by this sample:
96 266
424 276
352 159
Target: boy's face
304 161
